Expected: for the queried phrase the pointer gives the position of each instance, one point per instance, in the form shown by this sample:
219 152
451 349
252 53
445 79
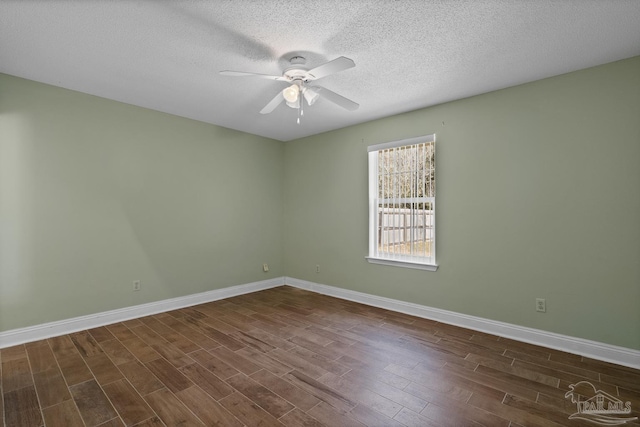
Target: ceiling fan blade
339 64
272 104
246 74
340 100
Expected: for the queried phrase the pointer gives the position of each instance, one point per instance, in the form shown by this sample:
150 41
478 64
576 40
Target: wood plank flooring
289 357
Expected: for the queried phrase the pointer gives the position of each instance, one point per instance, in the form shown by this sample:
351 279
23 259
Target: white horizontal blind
402 200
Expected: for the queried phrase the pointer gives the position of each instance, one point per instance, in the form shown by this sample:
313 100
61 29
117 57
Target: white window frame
394 259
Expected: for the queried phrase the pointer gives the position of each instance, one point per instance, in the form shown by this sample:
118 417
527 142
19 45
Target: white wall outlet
541 305
136 285
317 268
265 267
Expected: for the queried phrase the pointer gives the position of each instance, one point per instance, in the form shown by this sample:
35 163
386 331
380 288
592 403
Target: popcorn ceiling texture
409 54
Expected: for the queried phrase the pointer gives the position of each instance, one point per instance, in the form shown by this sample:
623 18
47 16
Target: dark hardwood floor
290 357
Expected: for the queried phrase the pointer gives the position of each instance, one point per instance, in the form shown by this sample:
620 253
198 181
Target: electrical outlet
136 285
317 268
541 305
265 267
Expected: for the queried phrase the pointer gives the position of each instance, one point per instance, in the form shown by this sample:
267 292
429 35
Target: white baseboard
67 326
596 350
593 349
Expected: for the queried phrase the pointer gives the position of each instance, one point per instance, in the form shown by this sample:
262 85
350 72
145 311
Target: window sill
402 263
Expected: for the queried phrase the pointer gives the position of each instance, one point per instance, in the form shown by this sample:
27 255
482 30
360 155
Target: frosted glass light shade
310 95
291 93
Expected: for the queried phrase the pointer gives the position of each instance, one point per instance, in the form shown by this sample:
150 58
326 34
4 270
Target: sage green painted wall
95 194
538 196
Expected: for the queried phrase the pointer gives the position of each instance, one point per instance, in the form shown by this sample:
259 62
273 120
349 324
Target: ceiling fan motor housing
297 75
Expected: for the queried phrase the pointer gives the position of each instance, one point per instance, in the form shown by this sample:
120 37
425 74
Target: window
402 203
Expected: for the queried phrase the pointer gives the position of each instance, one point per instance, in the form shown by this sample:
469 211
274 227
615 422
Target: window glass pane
403 221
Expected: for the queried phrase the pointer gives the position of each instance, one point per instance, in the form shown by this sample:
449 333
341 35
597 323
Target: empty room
319 213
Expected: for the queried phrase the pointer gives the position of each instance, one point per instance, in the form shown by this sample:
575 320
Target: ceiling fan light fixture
310 95
291 93
297 77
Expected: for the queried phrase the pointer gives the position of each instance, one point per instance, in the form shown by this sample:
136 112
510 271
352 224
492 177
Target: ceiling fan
299 78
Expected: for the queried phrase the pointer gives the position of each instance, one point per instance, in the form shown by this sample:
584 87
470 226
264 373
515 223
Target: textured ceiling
166 55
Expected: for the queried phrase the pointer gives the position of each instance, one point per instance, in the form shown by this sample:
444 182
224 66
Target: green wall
538 196
95 194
